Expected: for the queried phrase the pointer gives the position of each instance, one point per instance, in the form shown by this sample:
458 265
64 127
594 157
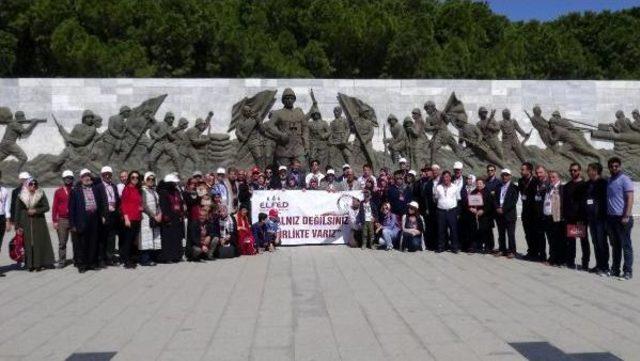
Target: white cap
221 171
345 166
24 176
149 174
67 173
402 160
457 165
506 171
106 169
196 173
414 204
85 171
413 172
282 168
171 178
435 166
331 171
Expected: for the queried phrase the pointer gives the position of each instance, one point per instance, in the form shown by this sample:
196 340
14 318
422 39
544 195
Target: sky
551 9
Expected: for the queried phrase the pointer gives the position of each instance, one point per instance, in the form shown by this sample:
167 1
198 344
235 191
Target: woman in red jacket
131 208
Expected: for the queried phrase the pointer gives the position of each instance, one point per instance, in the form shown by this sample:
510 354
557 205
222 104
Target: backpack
16 248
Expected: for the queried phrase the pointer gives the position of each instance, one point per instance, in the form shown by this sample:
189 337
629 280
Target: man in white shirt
315 173
458 179
367 173
447 196
123 176
5 213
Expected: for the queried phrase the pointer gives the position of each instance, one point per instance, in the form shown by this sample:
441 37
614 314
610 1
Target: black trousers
128 242
556 235
431 234
3 228
506 229
87 241
598 229
585 247
108 232
529 225
448 225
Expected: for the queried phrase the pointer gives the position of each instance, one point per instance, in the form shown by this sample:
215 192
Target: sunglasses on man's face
33 184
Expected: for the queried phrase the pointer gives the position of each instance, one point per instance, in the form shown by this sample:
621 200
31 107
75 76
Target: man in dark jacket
539 219
573 211
596 215
399 194
505 202
527 187
84 218
279 181
110 214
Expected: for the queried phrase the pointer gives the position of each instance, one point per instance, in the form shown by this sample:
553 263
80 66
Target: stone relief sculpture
14 131
134 139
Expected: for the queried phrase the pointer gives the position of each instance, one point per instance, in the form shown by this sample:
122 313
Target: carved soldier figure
438 124
636 120
417 139
14 131
180 137
161 134
623 124
249 134
397 144
268 140
136 128
510 130
490 130
542 126
339 134
318 137
472 136
196 141
575 142
80 138
289 127
115 133
557 119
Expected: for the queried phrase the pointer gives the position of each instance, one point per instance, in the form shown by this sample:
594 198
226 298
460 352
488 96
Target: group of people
435 210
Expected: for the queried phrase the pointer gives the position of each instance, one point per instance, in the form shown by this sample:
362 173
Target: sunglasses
33 184
134 177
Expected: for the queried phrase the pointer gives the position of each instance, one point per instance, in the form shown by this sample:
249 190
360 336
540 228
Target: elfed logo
274 202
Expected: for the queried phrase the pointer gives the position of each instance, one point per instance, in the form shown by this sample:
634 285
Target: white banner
307 217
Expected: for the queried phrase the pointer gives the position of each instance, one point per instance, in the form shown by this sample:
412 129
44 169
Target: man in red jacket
60 216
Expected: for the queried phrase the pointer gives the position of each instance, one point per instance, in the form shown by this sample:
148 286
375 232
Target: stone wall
587 101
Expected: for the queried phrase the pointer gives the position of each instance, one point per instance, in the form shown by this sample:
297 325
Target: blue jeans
412 243
598 230
388 237
620 236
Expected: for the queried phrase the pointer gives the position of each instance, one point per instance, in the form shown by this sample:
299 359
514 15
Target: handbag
576 230
16 248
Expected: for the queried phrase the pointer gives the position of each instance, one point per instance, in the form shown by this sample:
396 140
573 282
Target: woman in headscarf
131 206
31 206
172 229
150 241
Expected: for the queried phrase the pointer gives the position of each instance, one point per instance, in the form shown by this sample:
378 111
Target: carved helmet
5 113
482 110
200 121
390 117
19 114
416 111
87 113
183 122
556 114
288 92
429 104
124 109
168 115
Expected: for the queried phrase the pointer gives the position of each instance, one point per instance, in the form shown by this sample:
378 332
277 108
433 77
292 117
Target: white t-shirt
368 215
447 197
319 176
362 180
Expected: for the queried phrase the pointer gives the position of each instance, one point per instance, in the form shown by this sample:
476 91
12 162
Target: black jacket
509 212
596 200
77 209
528 189
574 202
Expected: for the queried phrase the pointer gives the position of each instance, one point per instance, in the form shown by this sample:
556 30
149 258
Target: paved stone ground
321 303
